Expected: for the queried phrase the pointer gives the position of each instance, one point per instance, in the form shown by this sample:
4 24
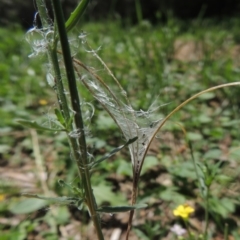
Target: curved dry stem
129 223
78 62
117 101
110 73
182 105
92 92
136 178
186 102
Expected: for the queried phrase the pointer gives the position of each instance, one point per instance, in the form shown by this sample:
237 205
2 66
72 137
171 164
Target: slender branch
75 101
62 100
76 15
206 213
42 10
133 201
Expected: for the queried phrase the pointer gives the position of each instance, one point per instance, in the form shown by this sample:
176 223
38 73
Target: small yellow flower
2 197
42 102
183 211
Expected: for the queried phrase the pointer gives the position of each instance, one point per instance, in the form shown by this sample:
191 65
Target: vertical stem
70 75
53 59
206 213
138 9
42 10
133 201
188 229
62 100
226 231
82 160
80 155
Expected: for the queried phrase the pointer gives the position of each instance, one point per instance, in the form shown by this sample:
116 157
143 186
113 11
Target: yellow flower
42 102
183 211
2 197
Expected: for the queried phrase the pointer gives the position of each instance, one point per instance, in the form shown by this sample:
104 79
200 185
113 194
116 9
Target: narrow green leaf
62 200
114 151
70 121
35 125
109 209
76 15
132 140
59 116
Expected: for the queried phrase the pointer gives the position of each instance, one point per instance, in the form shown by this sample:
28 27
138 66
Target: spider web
131 122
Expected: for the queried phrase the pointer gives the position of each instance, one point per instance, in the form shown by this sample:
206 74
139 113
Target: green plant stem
76 15
42 10
75 101
206 198
226 232
188 230
138 9
53 59
62 100
82 160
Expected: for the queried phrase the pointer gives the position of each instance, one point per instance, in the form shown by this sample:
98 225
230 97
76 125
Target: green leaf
203 118
70 121
59 200
184 170
35 125
103 193
109 209
213 154
4 148
62 215
114 151
76 15
207 96
192 136
140 234
226 122
235 153
223 206
105 122
171 194
27 206
149 162
124 168
223 179
59 116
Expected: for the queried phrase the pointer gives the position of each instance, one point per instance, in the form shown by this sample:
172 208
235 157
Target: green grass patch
162 64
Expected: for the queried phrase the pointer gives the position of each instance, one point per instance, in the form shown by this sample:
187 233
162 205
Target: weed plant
198 170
